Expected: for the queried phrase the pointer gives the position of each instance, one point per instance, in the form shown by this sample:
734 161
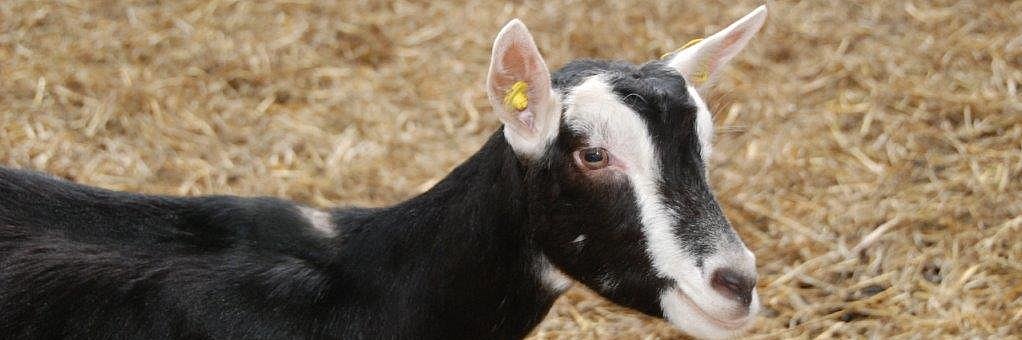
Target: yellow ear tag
701 76
517 97
687 45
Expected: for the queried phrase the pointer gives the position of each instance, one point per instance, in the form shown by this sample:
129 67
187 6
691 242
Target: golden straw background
869 153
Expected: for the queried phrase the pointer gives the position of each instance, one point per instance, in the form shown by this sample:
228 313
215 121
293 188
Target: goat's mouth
734 324
689 316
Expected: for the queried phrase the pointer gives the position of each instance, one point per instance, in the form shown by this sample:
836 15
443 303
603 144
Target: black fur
670 115
80 262
459 261
606 213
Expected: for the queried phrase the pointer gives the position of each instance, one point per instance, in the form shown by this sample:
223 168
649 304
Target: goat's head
616 156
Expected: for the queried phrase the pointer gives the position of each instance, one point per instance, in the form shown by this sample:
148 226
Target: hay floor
869 153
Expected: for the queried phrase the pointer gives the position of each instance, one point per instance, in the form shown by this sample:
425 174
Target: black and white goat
598 176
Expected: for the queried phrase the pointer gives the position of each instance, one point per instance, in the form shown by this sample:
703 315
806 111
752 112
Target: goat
597 176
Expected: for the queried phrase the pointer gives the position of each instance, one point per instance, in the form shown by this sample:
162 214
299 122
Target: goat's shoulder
266 223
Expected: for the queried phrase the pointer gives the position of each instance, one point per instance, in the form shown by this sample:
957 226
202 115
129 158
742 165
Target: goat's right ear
701 63
519 88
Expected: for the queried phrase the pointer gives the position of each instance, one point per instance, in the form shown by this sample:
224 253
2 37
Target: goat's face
616 157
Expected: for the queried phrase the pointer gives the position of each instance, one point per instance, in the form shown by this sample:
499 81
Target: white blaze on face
595 111
704 124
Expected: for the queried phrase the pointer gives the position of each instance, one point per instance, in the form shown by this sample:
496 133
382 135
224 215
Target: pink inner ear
726 50
516 58
515 65
514 61
527 119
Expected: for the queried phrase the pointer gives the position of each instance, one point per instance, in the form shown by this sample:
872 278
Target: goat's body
80 262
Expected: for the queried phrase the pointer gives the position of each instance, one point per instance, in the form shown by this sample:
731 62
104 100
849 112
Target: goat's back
82 262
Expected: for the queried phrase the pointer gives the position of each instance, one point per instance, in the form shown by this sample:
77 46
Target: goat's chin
701 321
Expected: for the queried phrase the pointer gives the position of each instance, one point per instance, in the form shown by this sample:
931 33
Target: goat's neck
462 249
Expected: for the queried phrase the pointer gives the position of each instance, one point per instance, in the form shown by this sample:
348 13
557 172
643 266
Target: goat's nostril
733 285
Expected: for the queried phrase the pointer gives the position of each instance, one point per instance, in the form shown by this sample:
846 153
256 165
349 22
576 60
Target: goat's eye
592 158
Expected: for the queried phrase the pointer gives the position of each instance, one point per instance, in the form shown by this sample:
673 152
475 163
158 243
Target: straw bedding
869 153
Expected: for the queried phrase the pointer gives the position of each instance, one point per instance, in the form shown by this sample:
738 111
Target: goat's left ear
701 63
518 86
